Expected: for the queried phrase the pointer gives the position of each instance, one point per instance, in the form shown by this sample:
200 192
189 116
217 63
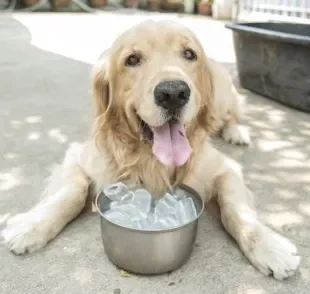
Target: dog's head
155 83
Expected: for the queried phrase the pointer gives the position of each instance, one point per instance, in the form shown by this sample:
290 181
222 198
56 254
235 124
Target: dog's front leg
268 251
63 200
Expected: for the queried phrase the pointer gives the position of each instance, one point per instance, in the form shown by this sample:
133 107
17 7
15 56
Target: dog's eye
189 54
133 60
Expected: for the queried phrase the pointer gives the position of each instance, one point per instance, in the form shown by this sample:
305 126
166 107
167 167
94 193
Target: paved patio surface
45 104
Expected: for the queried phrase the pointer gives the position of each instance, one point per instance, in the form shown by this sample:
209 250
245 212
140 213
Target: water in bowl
134 208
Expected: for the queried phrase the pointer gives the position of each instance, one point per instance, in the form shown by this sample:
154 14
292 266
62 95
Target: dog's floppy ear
101 85
206 114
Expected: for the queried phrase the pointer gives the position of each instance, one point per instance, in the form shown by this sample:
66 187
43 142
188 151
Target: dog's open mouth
170 144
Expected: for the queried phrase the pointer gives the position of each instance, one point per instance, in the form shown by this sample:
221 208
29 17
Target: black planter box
273 59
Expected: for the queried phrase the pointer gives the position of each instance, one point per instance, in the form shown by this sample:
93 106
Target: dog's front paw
23 234
271 253
236 134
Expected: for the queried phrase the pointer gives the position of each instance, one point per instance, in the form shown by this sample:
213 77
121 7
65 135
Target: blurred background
288 10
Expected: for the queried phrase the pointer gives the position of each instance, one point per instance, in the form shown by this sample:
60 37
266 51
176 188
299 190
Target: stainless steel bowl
149 252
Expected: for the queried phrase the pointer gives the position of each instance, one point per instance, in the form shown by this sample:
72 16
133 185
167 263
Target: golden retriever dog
158 100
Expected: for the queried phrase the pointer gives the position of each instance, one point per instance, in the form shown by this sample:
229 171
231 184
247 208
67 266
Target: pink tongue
170 144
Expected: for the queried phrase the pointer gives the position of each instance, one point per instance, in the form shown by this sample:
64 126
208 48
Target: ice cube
115 191
186 211
117 217
180 197
159 225
136 224
163 224
131 211
142 199
166 205
148 222
152 218
173 221
114 204
128 197
180 194
168 223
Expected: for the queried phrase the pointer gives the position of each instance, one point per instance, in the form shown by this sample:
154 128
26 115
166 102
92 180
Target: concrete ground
45 104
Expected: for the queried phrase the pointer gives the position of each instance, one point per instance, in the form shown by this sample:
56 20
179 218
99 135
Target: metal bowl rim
182 186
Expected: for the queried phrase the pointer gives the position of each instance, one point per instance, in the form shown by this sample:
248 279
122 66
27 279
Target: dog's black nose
172 94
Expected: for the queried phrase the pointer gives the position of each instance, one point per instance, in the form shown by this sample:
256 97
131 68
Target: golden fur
116 116
118 150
